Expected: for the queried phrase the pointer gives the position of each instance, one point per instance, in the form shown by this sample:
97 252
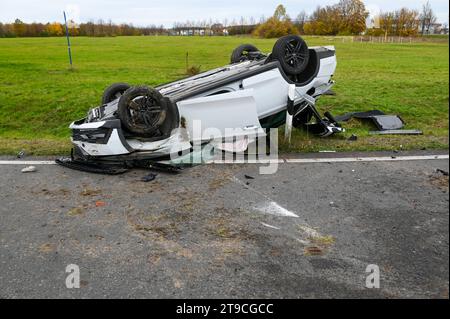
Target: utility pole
68 39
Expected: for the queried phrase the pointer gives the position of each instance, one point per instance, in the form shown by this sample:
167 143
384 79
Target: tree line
347 17
92 29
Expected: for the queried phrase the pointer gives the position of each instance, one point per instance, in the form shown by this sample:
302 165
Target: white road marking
248 161
274 209
269 206
27 162
366 159
280 161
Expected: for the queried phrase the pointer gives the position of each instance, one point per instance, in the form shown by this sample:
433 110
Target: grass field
40 96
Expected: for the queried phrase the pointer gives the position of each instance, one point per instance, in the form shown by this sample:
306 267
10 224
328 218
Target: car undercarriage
142 126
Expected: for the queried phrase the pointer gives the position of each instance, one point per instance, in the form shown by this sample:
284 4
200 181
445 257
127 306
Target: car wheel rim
294 53
144 111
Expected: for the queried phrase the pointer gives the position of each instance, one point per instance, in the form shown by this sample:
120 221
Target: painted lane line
251 161
27 162
280 161
366 159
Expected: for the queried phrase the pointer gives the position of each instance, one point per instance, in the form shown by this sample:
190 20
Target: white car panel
223 115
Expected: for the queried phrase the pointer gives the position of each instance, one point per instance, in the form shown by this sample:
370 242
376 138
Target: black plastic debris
386 124
381 120
330 92
441 171
21 154
84 166
149 177
353 138
357 115
249 177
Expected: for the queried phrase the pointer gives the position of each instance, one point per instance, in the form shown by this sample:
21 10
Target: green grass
40 95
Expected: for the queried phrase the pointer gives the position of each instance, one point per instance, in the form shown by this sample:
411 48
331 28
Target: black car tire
240 54
114 91
302 118
293 54
142 111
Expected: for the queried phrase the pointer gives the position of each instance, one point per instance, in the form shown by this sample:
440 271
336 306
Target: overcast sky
166 12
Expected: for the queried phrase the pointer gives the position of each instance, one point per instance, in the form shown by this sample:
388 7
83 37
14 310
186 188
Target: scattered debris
440 179
313 251
438 170
353 137
46 248
386 124
249 177
29 169
149 177
21 154
100 203
381 120
270 226
76 211
90 192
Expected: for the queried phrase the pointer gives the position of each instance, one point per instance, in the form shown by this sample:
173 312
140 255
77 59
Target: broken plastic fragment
29 169
149 177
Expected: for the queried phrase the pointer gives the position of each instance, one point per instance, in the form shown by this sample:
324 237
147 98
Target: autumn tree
345 17
324 21
403 22
406 22
19 28
280 13
276 26
54 29
353 16
386 23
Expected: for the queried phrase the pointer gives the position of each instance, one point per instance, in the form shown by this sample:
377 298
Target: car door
221 116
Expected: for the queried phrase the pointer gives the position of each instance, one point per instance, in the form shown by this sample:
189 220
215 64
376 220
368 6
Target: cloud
73 12
146 12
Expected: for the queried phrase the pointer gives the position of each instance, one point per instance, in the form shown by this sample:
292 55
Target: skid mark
270 226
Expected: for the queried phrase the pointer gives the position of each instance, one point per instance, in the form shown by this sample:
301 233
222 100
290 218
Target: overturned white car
256 91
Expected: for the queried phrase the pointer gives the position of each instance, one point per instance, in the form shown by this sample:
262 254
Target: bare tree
445 28
301 20
262 19
427 18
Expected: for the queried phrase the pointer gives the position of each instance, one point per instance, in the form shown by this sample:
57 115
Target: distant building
215 29
435 28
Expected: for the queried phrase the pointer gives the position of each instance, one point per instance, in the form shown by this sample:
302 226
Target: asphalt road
309 231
